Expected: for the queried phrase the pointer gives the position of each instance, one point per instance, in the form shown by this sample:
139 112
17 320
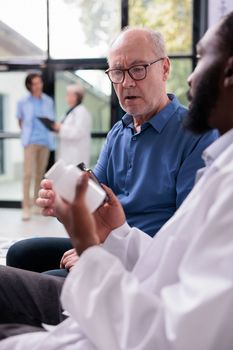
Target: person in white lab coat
170 292
74 131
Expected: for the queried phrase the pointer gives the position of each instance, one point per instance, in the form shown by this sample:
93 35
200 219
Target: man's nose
128 81
189 80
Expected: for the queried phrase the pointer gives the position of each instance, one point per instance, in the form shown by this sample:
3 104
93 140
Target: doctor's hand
86 229
108 216
78 221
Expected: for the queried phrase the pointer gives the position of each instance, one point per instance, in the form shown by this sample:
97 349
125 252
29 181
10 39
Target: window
82 28
97 100
68 40
97 95
1 141
11 155
23 29
173 18
177 82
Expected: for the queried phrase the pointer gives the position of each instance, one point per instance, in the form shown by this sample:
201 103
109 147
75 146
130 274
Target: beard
204 101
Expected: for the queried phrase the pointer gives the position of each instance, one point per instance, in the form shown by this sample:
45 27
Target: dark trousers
28 299
39 254
11 329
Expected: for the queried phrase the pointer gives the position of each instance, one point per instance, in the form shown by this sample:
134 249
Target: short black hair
225 34
30 77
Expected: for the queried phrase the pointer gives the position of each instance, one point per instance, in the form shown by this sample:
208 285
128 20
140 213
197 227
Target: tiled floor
13 228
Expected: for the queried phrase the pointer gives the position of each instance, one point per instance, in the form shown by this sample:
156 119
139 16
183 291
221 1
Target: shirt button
134 138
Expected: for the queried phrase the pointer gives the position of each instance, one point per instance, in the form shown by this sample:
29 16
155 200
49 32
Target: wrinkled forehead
132 45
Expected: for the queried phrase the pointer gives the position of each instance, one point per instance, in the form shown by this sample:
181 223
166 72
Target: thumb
111 196
46 184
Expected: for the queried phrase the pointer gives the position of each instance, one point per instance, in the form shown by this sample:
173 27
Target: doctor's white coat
173 292
74 138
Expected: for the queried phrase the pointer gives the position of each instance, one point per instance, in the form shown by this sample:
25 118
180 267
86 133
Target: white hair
76 89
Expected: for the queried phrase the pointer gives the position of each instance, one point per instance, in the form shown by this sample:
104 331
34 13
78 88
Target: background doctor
74 131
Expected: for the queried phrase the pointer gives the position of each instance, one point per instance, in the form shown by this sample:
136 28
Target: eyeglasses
137 72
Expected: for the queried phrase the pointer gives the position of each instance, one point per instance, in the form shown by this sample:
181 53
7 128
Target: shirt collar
160 119
30 96
212 152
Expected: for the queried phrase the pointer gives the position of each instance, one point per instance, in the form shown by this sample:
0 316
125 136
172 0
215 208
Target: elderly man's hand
50 202
69 259
84 229
46 198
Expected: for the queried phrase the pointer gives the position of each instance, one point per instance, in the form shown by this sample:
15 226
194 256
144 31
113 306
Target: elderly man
171 292
149 160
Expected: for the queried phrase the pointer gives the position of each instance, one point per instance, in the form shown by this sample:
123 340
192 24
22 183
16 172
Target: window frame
49 66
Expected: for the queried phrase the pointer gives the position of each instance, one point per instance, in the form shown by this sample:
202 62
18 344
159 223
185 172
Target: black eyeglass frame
123 70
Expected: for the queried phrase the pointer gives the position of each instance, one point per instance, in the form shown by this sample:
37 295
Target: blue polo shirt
33 131
152 171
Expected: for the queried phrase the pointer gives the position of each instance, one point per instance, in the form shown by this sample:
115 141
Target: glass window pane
11 90
11 156
23 29
97 97
173 18
177 82
96 146
82 28
96 100
11 151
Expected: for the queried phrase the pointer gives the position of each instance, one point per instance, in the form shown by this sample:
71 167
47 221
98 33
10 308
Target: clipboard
48 123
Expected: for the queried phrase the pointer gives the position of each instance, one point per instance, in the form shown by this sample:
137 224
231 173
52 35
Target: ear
228 73
166 68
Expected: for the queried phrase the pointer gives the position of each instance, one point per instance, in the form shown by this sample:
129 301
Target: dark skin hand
84 228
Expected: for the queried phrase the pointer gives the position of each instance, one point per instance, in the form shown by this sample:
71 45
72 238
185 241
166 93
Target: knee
18 253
